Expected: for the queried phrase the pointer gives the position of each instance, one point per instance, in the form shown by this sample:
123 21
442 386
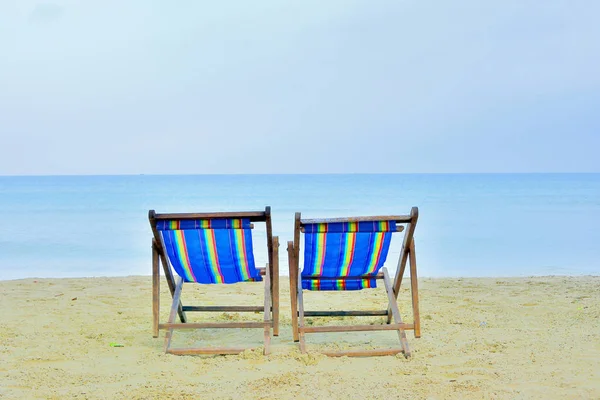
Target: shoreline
502 337
286 276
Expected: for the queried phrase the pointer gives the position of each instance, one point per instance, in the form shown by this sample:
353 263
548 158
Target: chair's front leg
301 317
293 289
155 290
267 311
275 286
393 305
414 289
173 313
398 279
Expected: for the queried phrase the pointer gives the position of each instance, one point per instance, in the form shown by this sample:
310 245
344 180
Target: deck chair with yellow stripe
212 248
349 254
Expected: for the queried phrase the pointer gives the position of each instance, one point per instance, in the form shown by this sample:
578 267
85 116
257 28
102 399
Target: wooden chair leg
414 289
301 333
393 305
267 312
155 290
173 313
275 285
293 290
398 279
171 282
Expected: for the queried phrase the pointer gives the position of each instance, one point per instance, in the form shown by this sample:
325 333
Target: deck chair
212 248
348 254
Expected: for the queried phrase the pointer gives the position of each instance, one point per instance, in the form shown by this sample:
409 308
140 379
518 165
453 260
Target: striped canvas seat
345 249
348 253
212 248
210 251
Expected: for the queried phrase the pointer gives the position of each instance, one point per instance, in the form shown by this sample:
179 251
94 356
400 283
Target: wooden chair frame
271 292
299 329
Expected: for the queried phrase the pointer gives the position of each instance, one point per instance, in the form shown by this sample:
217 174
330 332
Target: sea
470 225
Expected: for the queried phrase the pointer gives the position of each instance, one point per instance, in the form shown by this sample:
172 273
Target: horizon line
294 174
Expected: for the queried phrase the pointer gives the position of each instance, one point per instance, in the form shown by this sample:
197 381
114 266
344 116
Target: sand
517 338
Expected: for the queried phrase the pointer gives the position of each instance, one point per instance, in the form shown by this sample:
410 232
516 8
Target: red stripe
379 251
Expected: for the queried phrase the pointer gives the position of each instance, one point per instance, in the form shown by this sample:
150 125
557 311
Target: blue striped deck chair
212 248
349 254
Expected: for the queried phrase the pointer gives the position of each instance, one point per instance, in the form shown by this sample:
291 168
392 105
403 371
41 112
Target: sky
274 86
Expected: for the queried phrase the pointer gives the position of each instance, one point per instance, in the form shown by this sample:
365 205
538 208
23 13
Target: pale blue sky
274 86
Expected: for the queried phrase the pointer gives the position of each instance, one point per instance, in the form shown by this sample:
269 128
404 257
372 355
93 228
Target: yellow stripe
377 248
183 256
211 247
241 251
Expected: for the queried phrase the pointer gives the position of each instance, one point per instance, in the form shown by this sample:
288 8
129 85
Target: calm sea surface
469 224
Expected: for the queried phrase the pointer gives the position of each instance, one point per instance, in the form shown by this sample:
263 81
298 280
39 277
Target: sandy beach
505 338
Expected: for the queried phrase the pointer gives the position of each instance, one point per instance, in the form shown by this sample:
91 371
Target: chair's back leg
293 289
155 289
270 243
275 287
270 248
414 289
267 311
300 333
294 250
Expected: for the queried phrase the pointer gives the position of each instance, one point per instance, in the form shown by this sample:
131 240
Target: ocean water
469 224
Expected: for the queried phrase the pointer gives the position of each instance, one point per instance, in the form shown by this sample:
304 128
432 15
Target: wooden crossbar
214 325
358 313
354 328
223 308
398 218
255 216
